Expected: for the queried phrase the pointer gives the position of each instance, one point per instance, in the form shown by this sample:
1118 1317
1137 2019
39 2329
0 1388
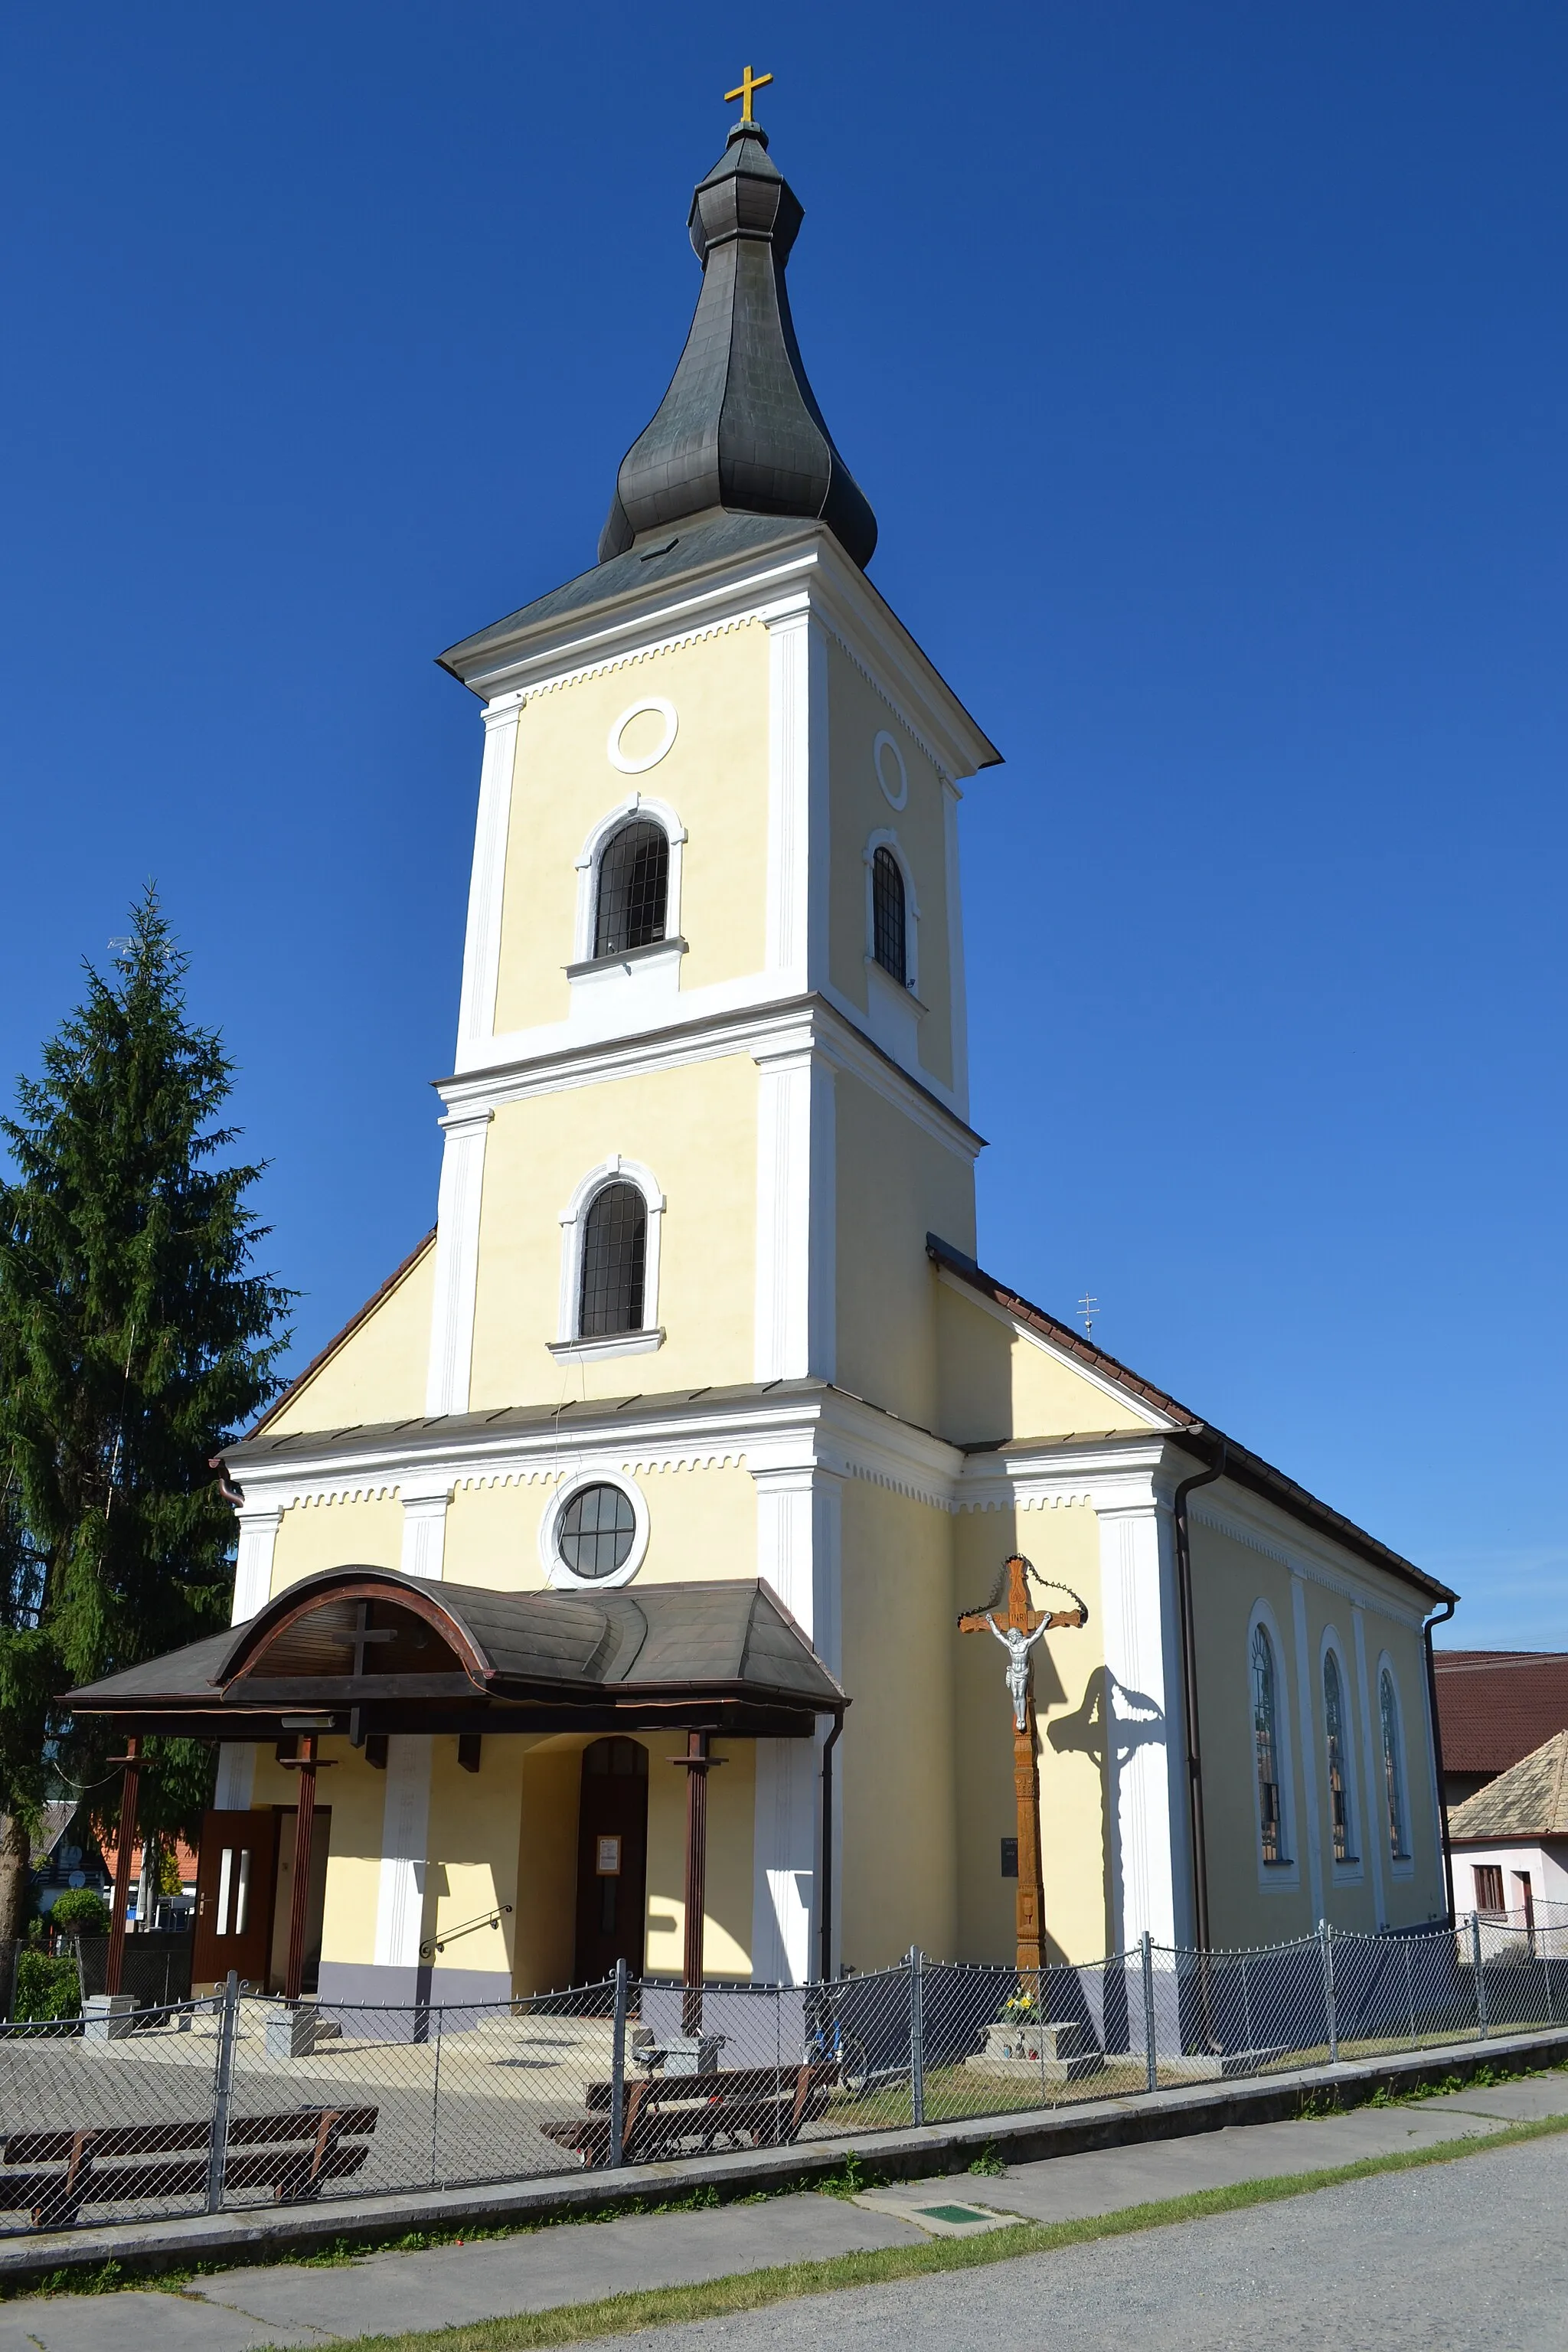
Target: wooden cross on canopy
1019 1630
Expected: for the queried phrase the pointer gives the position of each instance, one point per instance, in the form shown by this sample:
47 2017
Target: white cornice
802 1024
1248 1519
761 585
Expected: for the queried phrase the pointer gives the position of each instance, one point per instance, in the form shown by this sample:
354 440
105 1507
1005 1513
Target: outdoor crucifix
1019 1630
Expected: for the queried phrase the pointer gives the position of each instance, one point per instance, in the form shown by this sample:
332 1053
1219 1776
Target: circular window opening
594 1538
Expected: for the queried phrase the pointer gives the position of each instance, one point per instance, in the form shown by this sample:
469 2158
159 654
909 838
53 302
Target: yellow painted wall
897 1751
696 1129
995 1381
357 1795
856 716
378 1373
474 1833
1070 1713
703 1522
895 1184
732 1812
545 1930
314 1535
715 777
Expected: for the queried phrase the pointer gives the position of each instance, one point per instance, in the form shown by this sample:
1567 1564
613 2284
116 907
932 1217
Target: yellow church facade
703 1305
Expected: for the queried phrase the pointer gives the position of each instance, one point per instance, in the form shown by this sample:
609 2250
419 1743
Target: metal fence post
917 2038
1326 1946
618 2071
223 2091
1151 2051
1481 1969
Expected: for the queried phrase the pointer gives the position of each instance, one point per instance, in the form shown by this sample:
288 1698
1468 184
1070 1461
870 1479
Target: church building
598 1586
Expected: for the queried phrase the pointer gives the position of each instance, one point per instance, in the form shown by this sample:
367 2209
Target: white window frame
569 1346
1401 1865
1273 1877
1343 1874
589 859
592 1474
886 838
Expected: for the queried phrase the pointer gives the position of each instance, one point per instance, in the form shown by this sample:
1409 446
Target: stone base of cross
1018 1627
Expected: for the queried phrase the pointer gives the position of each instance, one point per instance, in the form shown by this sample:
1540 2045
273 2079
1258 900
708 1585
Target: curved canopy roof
362 1649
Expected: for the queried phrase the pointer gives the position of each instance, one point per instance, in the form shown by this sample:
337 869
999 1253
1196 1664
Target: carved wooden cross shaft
1020 1621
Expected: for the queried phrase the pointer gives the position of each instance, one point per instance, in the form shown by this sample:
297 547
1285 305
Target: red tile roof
1496 1706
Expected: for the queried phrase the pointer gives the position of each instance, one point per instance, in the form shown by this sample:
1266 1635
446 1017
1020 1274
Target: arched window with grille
1337 1740
632 897
1266 1747
614 1263
890 921
1392 1767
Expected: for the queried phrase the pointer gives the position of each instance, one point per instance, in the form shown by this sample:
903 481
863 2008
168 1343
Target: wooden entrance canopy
363 1651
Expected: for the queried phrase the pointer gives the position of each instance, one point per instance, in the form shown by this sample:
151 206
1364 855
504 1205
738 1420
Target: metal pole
618 2071
129 1790
916 2039
1481 1969
222 2092
1326 1946
435 2101
1151 2054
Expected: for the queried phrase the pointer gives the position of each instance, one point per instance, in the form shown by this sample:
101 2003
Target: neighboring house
1511 1841
1494 1708
65 1855
146 1906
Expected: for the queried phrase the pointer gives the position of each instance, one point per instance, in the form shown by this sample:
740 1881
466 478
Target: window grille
634 889
595 1533
1394 1778
888 926
615 1256
1489 1886
1265 1731
1339 1775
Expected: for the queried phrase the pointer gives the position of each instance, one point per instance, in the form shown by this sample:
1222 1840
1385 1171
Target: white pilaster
253 1568
481 947
958 989
1307 1718
789 790
425 1525
799 1554
797 1214
400 1897
457 1261
1146 1818
1370 1782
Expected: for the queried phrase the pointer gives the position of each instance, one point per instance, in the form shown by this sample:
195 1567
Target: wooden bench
755 2106
290 2154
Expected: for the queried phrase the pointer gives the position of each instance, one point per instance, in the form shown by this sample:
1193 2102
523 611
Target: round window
594 1538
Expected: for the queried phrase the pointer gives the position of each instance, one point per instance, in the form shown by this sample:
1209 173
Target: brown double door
612 1858
237 1881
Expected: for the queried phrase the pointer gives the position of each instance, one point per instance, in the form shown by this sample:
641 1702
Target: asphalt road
1457 2257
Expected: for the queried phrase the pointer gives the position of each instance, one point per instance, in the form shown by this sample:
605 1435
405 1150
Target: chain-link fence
132 2110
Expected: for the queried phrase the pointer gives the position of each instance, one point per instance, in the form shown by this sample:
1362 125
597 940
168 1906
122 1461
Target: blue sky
1204 365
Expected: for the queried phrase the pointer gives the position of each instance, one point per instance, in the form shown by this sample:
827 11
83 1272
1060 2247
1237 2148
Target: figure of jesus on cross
1021 1628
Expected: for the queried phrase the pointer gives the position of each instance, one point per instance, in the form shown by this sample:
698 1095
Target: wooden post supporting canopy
307 1764
697 1763
130 1790
1019 1630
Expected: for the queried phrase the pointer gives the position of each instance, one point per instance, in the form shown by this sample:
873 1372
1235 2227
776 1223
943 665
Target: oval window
594 1538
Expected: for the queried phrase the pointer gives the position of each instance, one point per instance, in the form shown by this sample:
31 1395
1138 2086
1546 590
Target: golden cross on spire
749 82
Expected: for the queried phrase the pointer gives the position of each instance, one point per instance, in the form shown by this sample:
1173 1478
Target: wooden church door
237 1874
612 1859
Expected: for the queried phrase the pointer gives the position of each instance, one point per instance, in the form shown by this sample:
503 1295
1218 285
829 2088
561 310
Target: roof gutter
1439 1617
1190 1693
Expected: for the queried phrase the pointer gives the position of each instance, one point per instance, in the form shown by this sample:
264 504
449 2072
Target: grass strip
620 2315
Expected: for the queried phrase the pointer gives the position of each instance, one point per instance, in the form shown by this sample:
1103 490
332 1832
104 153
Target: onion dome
740 427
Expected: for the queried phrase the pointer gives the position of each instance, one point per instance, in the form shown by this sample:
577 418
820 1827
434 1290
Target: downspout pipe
1439 1617
1190 1691
825 1909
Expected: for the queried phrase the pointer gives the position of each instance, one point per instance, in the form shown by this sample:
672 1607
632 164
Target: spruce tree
135 1339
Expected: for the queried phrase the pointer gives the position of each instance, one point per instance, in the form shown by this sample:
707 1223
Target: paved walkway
292 2304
